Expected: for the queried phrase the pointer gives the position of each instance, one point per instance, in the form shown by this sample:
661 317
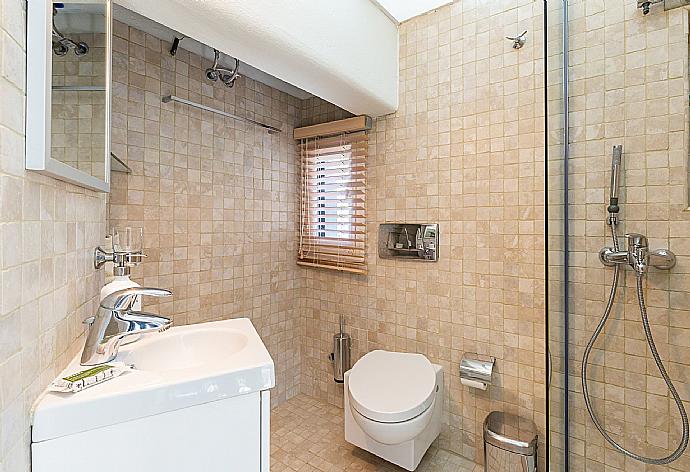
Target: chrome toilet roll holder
476 370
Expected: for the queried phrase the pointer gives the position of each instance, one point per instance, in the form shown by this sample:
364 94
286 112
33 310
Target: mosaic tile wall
316 110
629 86
48 230
219 201
465 150
216 197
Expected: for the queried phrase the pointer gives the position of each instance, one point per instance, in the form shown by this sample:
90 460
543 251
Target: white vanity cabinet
221 436
203 406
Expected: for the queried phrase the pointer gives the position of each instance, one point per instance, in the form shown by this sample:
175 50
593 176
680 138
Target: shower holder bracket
519 40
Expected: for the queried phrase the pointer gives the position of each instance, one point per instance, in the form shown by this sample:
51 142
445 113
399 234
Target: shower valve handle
637 240
641 258
638 252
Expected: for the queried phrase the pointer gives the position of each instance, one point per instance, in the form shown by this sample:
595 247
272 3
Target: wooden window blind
333 202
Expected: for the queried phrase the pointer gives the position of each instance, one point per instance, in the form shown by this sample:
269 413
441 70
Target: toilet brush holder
340 357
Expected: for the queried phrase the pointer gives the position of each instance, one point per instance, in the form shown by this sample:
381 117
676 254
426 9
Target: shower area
618 235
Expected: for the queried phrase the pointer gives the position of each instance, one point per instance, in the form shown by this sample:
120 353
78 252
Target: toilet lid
391 387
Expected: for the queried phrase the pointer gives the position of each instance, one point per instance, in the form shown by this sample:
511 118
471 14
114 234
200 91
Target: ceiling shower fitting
61 43
227 76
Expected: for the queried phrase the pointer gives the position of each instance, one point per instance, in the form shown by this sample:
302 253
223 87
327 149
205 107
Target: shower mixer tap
640 258
638 255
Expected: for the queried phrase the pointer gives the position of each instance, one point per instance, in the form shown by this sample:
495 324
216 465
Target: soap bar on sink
88 378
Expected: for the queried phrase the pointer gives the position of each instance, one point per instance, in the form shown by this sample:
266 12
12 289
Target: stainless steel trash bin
510 443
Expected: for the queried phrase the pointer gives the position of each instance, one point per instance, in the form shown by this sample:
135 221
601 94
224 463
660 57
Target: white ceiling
402 10
167 34
345 52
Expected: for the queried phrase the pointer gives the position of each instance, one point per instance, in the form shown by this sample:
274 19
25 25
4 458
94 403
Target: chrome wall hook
645 5
518 41
227 76
61 43
175 45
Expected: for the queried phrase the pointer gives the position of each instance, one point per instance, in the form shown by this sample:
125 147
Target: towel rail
173 98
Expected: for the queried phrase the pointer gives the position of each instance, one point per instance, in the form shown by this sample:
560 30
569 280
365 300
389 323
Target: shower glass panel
555 219
625 101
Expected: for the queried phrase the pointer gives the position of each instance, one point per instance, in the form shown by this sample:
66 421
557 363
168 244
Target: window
333 202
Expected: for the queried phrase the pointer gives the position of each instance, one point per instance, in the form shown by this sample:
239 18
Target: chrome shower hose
657 359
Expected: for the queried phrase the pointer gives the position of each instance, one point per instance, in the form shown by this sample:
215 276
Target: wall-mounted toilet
393 405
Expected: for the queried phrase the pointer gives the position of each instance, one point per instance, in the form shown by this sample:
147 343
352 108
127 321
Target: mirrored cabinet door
68 91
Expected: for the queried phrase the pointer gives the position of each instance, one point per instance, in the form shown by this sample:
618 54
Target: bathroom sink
178 368
179 349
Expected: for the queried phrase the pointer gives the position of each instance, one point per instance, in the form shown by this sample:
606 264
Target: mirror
78 117
68 91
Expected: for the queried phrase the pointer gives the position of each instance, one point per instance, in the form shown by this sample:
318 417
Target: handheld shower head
616 162
616 170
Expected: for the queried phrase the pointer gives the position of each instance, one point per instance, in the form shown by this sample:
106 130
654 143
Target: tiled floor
307 436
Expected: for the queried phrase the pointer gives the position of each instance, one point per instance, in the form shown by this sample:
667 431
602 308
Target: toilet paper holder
477 367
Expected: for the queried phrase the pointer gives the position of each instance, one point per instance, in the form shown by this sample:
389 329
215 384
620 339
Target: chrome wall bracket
122 261
62 44
519 40
646 5
216 71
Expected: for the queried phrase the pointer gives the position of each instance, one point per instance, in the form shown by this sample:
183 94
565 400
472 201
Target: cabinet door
265 431
221 436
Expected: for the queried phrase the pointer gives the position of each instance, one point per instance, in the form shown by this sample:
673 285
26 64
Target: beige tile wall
48 230
316 110
216 197
465 150
454 154
629 85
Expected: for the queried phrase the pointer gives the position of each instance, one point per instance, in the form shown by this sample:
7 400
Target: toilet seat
392 387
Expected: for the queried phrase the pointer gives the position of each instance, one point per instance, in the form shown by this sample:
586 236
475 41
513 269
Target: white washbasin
178 368
178 349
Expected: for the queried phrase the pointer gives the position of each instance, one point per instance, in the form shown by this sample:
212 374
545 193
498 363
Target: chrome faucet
638 255
115 321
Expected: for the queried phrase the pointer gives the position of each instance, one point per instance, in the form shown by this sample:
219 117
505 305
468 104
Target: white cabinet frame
39 69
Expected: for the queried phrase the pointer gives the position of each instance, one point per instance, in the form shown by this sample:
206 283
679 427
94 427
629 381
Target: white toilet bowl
393 405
